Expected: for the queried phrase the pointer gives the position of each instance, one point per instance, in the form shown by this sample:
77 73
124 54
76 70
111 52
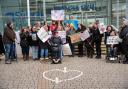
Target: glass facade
85 11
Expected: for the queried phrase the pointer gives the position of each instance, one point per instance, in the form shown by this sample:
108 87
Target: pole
44 10
126 14
28 12
117 12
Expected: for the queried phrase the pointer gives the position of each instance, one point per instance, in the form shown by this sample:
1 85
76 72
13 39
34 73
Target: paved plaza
97 74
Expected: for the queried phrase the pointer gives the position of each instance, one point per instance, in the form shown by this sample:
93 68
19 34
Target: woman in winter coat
24 43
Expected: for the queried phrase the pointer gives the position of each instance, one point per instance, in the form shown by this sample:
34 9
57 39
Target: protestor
54 26
97 39
24 43
68 33
2 51
81 29
37 26
89 44
124 36
111 48
56 46
8 40
34 43
44 47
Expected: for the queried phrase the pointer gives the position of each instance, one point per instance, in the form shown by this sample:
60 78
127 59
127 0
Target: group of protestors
53 46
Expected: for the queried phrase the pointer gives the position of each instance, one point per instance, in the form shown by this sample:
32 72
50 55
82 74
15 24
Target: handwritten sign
57 14
112 40
84 35
62 34
43 35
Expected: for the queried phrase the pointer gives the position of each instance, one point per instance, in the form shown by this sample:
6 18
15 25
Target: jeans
7 51
57 54
25 50
44 53
34 52
12 54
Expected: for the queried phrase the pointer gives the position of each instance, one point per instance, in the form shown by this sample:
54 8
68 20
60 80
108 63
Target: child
56 46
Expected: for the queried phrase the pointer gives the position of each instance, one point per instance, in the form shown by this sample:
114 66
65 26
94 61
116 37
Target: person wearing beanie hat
124 36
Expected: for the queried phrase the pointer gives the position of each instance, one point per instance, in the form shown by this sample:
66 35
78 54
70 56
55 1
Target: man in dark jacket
124 36
8 40
97 38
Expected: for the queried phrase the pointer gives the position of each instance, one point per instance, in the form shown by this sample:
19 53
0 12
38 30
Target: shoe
7 62
98 57
46 58
41 59
71 55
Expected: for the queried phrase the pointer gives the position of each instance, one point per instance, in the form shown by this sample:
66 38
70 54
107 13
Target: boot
27 57
23 57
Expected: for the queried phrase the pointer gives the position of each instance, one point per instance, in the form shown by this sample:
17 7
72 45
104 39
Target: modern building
85 11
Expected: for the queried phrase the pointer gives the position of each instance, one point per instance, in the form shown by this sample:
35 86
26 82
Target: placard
66 49
43 35
62 34
57 14
75 38
112 40
84 35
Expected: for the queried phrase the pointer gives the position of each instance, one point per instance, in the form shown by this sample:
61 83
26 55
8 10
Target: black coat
1 45
24 39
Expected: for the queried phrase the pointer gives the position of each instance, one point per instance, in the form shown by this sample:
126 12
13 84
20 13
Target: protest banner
112 40
66 49
75 38
84 35
43 35
57 14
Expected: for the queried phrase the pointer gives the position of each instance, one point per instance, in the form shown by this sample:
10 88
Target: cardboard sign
57 14
66 49
112 40
84 35
75 38
43 35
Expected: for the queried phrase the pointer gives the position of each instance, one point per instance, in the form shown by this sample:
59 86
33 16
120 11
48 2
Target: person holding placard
81 29
89 44
56 46
68 33
44 45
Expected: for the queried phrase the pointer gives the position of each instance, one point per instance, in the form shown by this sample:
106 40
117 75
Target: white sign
102 28
112 40
57 14
62 34
65 72
43 35
66 49
84 35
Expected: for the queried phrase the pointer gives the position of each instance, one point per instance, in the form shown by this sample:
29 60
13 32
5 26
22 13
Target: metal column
28 13
126 14
117 13
44 10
